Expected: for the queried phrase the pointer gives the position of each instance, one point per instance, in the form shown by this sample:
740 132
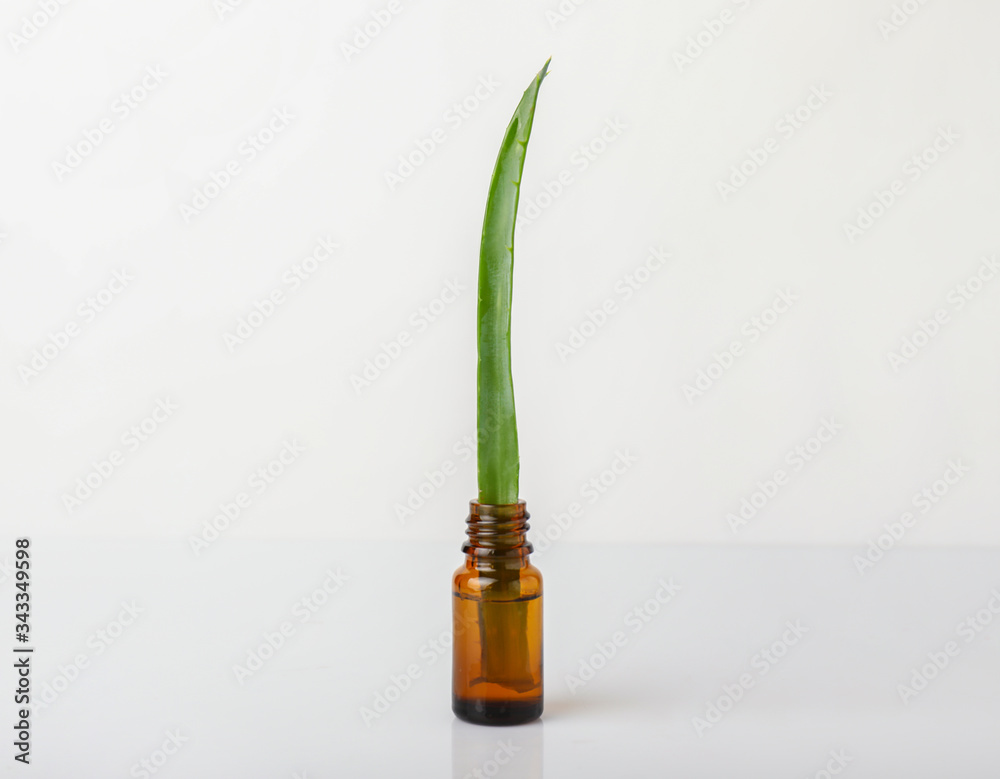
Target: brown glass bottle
497 594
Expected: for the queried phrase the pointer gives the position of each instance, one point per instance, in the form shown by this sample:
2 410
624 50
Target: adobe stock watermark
258 482
586 154
494 765
624 290
101 470
7 570
900 17
711 30
57 342
955 300
421 319
761 664
425 146
752 330
591 491
464 449
121 108
399 684
923 500
305 609
785 129
224 8
968 630
913 170
834 765
159 757
560 13
796 459
291 281
248 150
370 29
636 619
97 643
35 23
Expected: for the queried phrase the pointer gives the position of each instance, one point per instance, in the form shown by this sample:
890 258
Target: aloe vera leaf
499 463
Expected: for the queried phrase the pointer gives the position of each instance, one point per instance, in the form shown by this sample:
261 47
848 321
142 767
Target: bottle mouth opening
499 511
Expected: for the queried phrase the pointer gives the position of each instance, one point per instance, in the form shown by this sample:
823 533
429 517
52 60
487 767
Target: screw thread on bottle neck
497 531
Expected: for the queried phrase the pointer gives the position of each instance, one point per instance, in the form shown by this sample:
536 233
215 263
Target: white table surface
300 715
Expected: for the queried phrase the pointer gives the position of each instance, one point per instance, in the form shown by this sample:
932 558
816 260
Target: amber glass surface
497 594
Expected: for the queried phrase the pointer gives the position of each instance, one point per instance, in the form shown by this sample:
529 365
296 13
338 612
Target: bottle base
486 712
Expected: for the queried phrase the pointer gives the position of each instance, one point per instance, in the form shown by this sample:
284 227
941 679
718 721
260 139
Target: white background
367 451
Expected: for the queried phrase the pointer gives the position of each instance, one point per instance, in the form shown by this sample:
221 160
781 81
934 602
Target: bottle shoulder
520 582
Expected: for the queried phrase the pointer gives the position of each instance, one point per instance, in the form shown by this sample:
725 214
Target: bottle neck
497 535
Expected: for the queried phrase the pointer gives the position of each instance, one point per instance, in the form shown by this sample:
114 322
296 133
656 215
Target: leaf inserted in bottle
496 423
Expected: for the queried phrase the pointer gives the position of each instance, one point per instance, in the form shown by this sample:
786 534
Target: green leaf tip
496 421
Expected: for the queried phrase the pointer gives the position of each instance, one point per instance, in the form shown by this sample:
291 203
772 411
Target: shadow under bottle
497 627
